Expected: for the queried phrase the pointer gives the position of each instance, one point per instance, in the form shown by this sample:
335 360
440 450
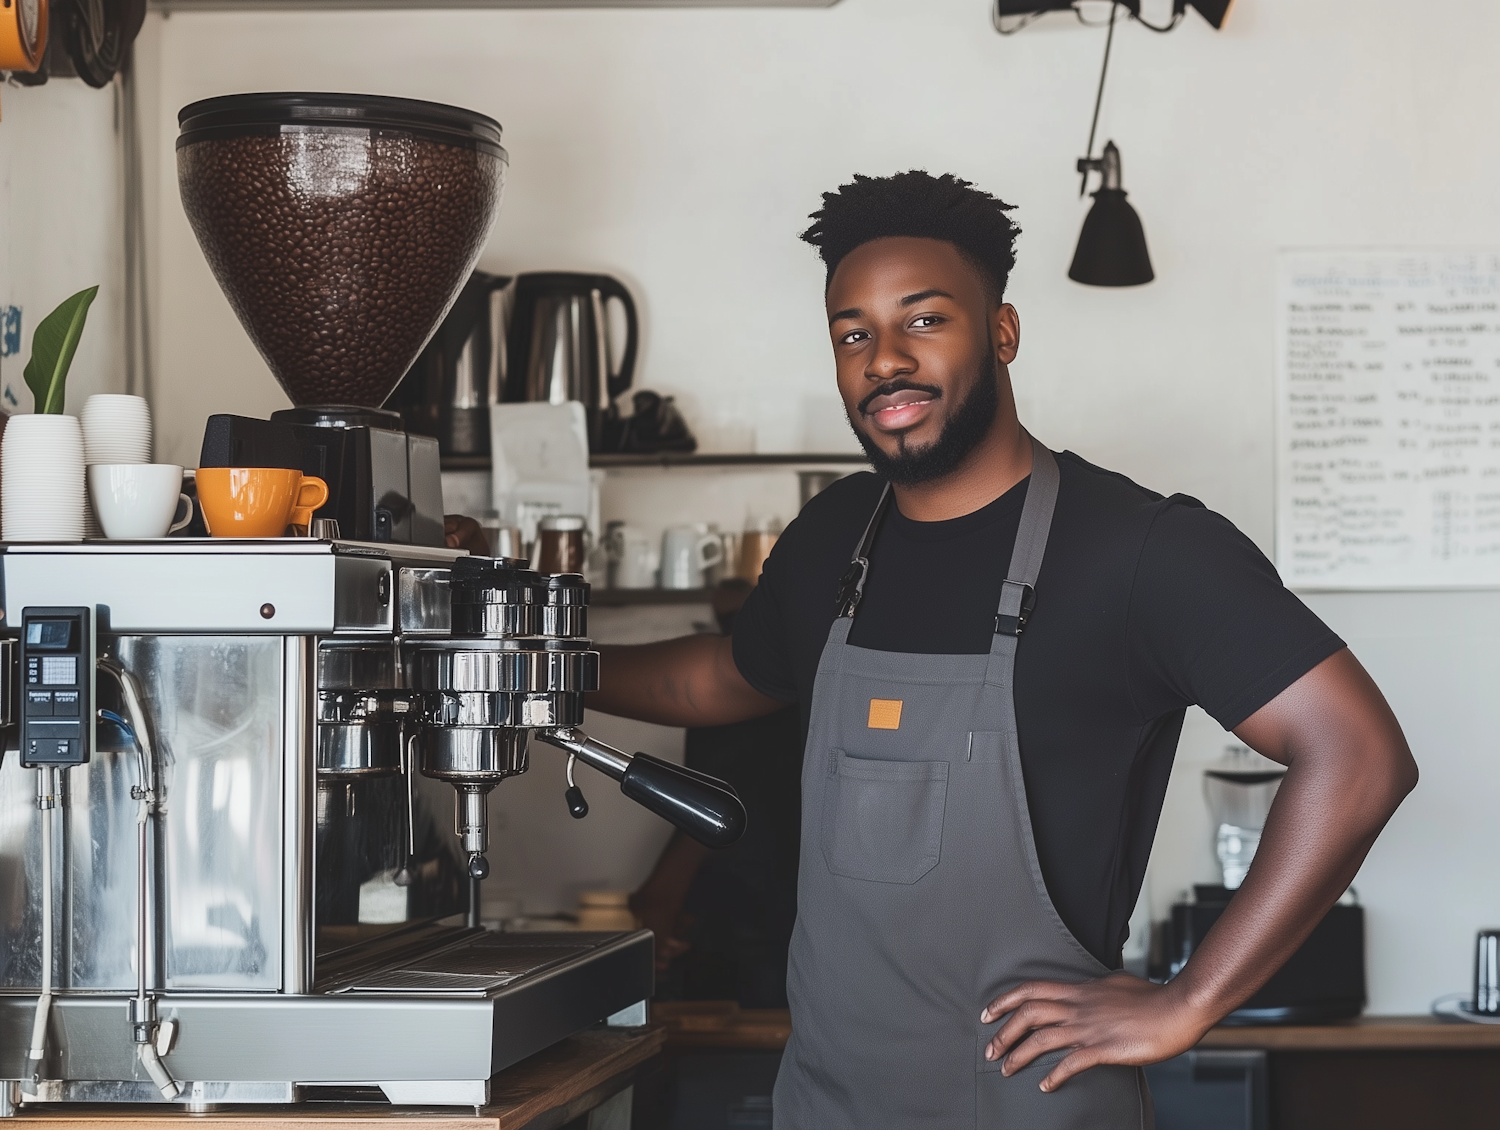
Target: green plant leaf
52 348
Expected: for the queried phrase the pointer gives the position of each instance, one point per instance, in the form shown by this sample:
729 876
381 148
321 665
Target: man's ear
1005 332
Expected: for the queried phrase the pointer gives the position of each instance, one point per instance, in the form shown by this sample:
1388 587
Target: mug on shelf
686 551
634 559
257 502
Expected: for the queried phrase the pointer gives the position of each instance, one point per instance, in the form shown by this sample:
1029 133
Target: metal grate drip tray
475 968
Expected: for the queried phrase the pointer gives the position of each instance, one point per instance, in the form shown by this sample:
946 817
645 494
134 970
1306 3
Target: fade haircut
916 203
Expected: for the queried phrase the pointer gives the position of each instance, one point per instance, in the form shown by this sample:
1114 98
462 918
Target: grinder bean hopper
222 880
341 228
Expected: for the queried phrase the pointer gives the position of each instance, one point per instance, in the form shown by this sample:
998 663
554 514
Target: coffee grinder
1325 979
341 228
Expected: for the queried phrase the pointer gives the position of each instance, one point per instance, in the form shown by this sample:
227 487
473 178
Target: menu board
1388 419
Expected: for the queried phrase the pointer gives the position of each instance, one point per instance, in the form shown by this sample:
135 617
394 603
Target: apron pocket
883 820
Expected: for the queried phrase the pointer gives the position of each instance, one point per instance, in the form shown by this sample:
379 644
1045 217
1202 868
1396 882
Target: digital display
52 635
59 670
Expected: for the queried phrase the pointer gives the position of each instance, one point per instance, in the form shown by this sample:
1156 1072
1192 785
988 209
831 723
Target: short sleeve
1211 623
761 651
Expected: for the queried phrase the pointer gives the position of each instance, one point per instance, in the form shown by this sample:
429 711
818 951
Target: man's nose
889 360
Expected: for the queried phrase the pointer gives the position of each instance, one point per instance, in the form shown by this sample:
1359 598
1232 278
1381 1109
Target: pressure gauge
23 34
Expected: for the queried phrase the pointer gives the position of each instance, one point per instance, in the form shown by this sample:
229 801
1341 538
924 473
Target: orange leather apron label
885 714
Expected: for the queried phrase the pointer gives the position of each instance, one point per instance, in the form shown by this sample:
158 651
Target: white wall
61 215
683 149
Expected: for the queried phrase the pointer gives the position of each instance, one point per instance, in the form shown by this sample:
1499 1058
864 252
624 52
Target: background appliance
1324 980
559 344
450 388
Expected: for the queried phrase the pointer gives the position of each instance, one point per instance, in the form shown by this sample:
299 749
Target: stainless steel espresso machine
196 721
220 878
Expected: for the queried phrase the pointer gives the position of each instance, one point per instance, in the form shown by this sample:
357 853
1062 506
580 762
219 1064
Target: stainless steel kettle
559 347
448 391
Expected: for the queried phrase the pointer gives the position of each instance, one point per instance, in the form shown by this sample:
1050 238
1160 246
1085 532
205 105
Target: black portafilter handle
704 807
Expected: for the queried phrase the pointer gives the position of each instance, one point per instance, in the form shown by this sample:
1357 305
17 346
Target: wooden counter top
1366 1033
723 1024
562 1082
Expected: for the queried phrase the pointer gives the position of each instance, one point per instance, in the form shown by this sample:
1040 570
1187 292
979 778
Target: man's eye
854 336
927 320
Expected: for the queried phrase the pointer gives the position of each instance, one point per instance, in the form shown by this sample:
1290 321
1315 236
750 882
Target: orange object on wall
23 34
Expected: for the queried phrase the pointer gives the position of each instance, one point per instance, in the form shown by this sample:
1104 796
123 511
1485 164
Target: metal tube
473 818
298 833
46 784
605 758
144 1024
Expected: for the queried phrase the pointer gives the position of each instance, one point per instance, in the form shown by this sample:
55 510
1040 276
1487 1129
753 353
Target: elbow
1407 774
1401 774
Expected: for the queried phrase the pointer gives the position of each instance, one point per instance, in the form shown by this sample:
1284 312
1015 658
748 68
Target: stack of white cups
116 429
42 479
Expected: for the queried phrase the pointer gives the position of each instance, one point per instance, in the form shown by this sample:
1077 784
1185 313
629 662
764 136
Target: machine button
39 704
65 704
33 669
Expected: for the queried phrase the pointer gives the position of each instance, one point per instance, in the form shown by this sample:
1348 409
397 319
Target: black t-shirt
1144 606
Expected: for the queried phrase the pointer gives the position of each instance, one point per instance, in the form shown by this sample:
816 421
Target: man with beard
992 646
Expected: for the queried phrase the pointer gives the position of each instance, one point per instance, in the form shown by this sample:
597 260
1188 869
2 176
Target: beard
961 434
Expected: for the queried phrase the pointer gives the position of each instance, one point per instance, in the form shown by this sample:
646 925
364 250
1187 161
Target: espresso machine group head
518 664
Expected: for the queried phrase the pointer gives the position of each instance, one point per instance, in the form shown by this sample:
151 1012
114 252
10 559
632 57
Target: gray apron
919 895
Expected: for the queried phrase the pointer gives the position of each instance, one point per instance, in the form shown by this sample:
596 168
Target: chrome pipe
592 752
144 1023
298 811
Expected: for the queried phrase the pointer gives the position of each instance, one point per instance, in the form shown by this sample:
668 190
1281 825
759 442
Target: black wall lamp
1112 245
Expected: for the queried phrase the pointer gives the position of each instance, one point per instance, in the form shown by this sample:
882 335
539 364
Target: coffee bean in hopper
340 250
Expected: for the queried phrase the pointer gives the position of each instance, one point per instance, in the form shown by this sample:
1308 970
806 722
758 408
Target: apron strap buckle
1017 599
852 586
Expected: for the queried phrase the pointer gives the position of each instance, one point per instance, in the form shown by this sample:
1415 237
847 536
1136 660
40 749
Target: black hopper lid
235 115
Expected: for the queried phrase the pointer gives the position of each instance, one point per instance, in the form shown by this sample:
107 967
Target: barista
992 646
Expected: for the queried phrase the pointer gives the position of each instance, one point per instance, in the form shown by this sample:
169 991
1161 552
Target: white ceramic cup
635 567
686 551
116 428
41 479
139 500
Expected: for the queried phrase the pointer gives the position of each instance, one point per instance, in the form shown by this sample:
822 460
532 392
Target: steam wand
152 1037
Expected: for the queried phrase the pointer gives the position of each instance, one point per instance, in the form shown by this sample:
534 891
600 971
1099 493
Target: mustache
898 385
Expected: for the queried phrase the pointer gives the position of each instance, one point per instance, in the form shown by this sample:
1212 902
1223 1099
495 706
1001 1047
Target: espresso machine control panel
57 683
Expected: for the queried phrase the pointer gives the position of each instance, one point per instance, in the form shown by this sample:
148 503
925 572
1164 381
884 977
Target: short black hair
916 203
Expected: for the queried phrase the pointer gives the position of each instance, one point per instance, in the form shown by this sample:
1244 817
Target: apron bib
920 898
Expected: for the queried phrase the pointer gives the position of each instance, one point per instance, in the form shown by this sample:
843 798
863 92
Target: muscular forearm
691 681
1348 768
1345 777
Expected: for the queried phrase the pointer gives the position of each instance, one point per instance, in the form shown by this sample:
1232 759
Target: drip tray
475 967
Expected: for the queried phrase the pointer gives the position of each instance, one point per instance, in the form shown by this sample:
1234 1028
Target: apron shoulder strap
852 584
1018 593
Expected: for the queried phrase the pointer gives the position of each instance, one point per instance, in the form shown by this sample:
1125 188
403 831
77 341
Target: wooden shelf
729 459
677 459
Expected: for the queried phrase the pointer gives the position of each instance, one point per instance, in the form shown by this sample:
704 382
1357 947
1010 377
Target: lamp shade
1112 246
1214 11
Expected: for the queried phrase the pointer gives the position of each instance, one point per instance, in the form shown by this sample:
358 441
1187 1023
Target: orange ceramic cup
256 502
